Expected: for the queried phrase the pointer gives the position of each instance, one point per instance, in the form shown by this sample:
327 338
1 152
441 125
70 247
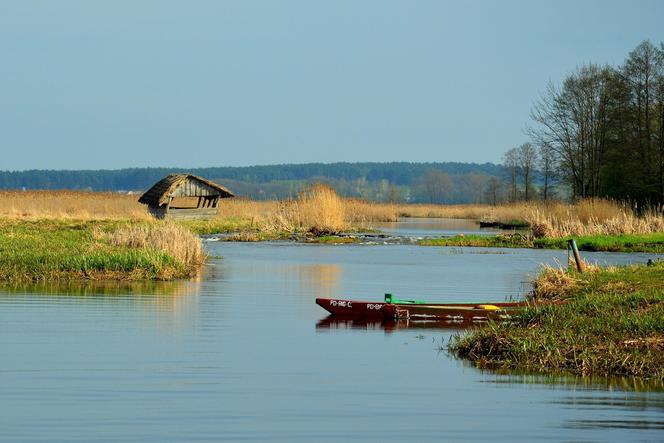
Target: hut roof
159 193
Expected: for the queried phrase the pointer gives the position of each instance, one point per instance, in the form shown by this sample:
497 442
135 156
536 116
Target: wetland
242 352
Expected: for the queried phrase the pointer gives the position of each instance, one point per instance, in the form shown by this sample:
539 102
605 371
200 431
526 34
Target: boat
395 309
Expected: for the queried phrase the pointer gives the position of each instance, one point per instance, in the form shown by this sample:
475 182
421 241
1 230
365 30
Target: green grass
32 251
241 229
218 226
612 324
487 241
334 239
653 243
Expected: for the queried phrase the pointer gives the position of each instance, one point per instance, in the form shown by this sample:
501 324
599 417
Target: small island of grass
611 323
51 249
649 242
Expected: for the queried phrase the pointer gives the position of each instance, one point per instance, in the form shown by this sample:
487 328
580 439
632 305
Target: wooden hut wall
191 214
194 188
162 212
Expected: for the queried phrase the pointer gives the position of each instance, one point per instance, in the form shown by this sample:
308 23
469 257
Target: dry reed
79 205
318 208
560 282
170 238
591 217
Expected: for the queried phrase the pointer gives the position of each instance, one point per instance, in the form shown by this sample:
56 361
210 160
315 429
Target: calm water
240 355
429 227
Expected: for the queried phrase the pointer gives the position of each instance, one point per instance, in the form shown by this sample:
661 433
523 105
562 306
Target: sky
115 84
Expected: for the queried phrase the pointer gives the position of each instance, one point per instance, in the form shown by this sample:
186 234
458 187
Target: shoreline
34 250
648 243
611 324
114 250
638 243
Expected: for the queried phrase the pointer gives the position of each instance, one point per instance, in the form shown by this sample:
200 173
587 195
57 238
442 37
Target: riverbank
318 214
50 249
651 243
611 324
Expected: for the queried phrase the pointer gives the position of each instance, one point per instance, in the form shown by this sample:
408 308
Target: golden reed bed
320 208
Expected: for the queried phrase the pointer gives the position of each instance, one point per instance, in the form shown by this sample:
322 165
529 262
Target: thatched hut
184 196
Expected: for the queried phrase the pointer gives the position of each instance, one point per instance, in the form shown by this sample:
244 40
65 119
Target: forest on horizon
449 182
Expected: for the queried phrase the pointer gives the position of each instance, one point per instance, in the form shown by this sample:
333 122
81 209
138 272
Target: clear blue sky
92 84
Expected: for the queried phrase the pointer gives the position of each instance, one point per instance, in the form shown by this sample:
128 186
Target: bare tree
660 112
573 121
547 167
511 163
491 194
527 159
641 70
476 183
437 185
393 195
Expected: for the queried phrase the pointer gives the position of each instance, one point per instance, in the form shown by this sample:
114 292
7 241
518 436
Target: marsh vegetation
52 249
610 322
68 234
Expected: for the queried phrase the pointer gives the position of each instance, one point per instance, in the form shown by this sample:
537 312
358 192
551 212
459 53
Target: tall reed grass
79 205
319 209
170 238
591 217
53 249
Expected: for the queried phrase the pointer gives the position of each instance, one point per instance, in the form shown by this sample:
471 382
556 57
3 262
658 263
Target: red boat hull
352 308
452 312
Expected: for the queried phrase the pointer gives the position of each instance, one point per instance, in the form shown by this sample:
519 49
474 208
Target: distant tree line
598 134
396 181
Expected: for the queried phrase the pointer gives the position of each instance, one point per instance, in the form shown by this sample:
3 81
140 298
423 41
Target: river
243 353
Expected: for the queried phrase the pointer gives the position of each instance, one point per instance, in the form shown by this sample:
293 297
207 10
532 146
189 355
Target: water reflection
636 410
629 384
321 279
165 306
615 424
335 323
634 403
91 288
122 288
433 227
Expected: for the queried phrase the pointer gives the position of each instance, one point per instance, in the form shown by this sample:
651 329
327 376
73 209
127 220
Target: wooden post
198 205
577 257
168 206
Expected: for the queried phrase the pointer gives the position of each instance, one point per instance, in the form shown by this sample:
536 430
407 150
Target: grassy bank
486 241
49 249
612 323
599 224
652 243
